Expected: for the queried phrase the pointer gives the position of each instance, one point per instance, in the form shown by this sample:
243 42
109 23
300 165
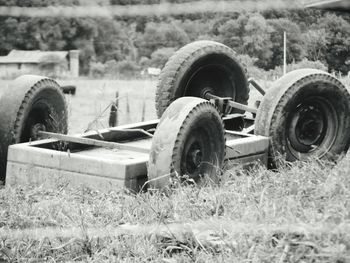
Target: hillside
129 43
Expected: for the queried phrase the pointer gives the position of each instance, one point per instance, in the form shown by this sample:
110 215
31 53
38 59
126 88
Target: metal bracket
223 103
256 86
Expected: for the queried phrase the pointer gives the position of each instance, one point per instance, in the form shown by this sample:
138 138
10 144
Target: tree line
124 43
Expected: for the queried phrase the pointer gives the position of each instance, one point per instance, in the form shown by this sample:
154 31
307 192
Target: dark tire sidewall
181 119
185 62
322 86
15 105
54 109
195 64
209 123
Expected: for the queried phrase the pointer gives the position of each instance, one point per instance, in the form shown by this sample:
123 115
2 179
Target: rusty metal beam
94 142
256 85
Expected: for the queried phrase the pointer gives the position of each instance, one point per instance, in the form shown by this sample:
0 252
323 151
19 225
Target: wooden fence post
113 116
143 109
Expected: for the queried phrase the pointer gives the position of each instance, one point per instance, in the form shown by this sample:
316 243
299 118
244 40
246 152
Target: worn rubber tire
197 65
189 140
29 101
306 114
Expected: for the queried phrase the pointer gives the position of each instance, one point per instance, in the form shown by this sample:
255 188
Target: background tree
110 41
295 43
256 40
316 44
337 51
248 34
231 32
312 34
160 35
161 56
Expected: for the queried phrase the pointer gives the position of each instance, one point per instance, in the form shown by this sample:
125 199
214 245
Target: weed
299 213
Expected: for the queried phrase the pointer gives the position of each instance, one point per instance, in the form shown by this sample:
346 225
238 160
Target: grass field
89 108
299 214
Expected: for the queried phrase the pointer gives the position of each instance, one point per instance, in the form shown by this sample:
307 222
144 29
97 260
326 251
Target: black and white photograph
175 131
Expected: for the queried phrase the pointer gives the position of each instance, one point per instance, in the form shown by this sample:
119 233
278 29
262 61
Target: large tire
189 140
306 114
31 103
199 67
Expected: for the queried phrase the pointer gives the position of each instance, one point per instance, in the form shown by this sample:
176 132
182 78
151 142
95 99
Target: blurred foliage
52 65
304 63
161 56
148 41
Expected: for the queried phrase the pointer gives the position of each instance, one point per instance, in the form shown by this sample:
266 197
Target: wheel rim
213 78
311 127
196 157
40 118
35 130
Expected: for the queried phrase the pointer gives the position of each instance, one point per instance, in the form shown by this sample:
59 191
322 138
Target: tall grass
90 107
300 214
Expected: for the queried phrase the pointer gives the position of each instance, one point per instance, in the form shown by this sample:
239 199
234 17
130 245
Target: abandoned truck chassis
205 127
48 162
117 157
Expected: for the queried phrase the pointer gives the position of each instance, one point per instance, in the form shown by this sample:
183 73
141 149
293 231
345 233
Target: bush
52 66
249 64
114 69
144 62
111 68
97 70
305 63
127 68
161 56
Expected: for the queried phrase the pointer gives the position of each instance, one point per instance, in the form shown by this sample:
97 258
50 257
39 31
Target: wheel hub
193 157
307 128
205 91
196 157
35 129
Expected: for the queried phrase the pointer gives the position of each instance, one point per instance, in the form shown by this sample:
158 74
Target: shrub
161 56
144 62
249 64
111 68
97 70
308 64
127 68
52 65
305 63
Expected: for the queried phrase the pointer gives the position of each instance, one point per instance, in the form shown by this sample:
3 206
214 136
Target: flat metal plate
108 169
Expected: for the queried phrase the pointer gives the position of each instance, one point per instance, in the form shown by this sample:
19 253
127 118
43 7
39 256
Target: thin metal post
284 53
